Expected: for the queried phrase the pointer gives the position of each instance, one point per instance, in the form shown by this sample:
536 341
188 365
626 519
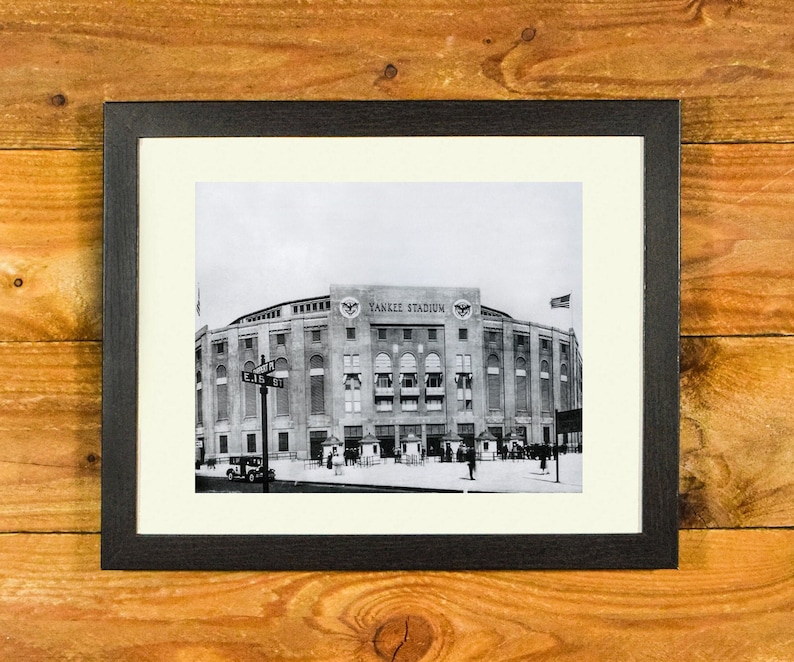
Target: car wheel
230 475
251 477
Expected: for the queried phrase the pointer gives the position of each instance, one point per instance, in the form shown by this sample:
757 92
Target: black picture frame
656 546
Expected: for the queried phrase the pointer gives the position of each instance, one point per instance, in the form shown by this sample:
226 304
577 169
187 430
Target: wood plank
731 600
730 61
50 426
737 239
50 245
736 242
737 460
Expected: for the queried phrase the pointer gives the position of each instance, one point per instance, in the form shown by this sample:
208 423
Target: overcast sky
259 244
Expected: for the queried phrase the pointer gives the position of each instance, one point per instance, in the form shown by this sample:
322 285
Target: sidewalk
493 476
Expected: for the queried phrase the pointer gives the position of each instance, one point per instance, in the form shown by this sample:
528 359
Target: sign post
259 376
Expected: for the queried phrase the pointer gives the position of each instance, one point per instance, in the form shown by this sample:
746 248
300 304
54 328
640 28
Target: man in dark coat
471 458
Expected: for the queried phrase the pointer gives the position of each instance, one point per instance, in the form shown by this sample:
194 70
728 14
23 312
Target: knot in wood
390 71
58 100
528 34
403 639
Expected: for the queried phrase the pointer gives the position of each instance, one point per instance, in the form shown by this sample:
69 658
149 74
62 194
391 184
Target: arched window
408 371
383 364
249 393
545 387
222 393
434 378
521 385
494 383
433 368
316 384
282 394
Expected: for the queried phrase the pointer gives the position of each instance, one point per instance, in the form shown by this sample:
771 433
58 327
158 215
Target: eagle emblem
462 309
349 307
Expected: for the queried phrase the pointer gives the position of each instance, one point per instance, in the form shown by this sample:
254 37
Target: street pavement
490 476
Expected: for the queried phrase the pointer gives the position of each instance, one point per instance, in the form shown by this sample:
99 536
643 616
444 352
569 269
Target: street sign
569 421
264 380
267 366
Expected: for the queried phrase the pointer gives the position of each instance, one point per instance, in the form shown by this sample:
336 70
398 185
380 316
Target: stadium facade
400 364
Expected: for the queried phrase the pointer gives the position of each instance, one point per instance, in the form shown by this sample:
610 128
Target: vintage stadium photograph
388 337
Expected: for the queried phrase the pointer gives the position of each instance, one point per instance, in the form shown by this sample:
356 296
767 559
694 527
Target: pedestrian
330 460
543 457
337 463
471 458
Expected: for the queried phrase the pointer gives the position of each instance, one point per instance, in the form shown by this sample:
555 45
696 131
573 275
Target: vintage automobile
249 468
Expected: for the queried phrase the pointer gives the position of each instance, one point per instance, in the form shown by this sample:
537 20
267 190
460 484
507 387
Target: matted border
657 122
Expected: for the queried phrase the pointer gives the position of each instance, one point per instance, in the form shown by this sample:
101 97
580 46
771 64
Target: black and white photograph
391 304
388 337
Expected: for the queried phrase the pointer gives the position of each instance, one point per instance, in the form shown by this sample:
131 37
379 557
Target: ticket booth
411 445
369 447
485 445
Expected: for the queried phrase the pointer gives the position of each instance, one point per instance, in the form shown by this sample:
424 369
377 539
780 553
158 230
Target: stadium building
384 369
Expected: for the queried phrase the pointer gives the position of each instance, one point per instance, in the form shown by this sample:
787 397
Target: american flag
561 302
198 302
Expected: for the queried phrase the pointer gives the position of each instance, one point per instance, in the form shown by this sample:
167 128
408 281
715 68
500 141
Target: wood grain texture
50 436
731 600
737 239
50 245
737 462
730 61
737 459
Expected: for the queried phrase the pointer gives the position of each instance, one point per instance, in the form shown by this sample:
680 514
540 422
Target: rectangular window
381 334
351 332
434 404
317 391
521 341
281 339
408 334
353 432
434 380
220 348
223 402
352 363
494 392
249 343
463 363
463 334
223 443
199 408
545 344
352 395
564 350
409 404
384 404
283 441
316 335
491 337
251 441
432 334
198 354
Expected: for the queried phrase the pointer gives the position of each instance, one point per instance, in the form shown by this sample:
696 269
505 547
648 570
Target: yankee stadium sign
461 308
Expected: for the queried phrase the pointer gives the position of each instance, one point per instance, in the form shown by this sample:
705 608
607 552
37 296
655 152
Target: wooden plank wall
732 63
